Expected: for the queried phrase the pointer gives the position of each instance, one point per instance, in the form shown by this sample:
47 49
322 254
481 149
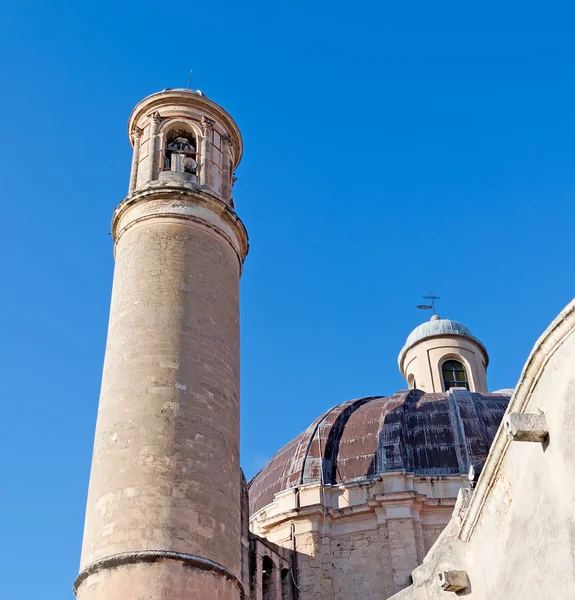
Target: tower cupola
181 137
441 354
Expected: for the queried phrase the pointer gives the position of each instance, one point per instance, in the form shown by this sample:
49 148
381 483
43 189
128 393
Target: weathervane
431 306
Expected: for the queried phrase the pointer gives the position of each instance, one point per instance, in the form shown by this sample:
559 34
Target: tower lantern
163 511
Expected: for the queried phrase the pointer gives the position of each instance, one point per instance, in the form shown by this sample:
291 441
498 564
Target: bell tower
163 511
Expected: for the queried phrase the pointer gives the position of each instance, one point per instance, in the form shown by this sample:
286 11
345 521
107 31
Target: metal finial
190 81
431 296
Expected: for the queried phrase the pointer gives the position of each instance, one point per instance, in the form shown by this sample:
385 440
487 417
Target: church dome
428 434
437 327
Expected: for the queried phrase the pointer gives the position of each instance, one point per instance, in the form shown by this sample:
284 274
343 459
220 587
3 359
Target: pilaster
403 545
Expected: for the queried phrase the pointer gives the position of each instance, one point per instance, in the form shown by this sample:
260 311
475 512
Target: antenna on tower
190 81
431 296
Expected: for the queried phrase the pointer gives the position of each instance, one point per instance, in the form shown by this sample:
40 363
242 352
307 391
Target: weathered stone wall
165 470
514 538
430 535
314 571
370 558
367 549
361 564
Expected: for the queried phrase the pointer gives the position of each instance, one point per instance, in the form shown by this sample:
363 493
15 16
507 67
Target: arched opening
454 375
411 381
180 152
268 579
287 585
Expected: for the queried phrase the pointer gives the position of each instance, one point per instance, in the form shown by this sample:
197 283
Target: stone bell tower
163 513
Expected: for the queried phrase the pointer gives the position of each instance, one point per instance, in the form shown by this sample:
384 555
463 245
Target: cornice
196 195
152 556
182 97
378 500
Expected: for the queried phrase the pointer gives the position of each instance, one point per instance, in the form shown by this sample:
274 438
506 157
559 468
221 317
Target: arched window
454 375
268 579
411 381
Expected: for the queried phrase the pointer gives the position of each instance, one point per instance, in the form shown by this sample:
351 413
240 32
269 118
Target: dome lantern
441 354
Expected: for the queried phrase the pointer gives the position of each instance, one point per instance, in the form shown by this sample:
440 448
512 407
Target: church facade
349 508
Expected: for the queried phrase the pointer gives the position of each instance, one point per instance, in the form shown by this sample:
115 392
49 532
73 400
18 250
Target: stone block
453 581
526 427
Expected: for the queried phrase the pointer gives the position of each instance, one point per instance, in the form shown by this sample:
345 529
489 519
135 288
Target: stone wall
163 515
370 545
361 564
513 538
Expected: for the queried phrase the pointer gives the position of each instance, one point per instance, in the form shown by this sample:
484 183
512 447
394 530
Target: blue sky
390 149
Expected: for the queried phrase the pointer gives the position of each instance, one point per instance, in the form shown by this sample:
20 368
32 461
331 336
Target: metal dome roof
428 434
435 327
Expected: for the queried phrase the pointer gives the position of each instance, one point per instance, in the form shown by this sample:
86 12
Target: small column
277 581
227 144
136 137
258 575
207 127
153 169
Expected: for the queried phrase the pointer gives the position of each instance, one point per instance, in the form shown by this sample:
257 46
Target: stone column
136 137
278 580
226 171
207 127
258 576
153 166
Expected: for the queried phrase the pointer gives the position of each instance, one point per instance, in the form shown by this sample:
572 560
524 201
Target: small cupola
441 354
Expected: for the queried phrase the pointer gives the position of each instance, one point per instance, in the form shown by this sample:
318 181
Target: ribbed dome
426 434
438 327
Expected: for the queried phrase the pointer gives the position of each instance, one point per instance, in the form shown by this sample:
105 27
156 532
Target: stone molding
179 203
545 347
152 556
384 504
185 99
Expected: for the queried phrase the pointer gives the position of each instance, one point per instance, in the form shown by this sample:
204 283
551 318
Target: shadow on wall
273 571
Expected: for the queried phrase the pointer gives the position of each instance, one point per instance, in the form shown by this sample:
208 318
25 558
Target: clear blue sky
390 149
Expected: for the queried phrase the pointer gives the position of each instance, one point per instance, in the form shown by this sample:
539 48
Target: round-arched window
454 375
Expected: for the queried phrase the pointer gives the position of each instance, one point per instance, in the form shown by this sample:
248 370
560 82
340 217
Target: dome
428 434
436 327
